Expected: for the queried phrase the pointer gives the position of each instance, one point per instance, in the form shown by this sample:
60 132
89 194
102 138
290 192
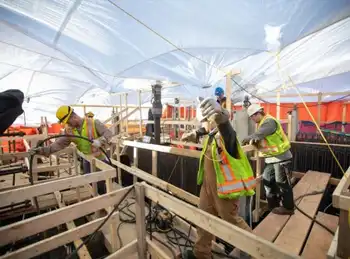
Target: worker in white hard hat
274 146
224 173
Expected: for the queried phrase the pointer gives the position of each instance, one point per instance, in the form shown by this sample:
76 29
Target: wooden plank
271 226
42 169
18 195
60 239
243 240
332 181
83 251
342 187
158 182
332 251
320 239
343 249
294 233
155 251
173 150
32 226
140 221
124 251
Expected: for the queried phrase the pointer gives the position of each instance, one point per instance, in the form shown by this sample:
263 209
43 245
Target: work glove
189 136
209 106
96 143
246 141
250 141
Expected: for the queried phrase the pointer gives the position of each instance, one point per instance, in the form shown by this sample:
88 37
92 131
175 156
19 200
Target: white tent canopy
79 51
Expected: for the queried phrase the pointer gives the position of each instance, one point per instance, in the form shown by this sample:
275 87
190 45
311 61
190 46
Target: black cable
101 225
310 217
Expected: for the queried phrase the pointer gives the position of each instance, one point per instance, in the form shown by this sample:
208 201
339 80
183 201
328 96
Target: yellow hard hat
90 114
63 113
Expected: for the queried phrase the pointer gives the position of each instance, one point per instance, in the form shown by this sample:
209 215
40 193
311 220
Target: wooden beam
229 92
332 181
60 239
26 137
295 232
140 221
114 116
21 194
320 239
42 169
272 224
332 251
343 249
176 191
243 240
342 186
173 150
305 94
31 226
155 251
319 107
83 251
125 251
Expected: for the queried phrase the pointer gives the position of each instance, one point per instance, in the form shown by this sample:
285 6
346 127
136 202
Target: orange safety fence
169 109
330 112
17 145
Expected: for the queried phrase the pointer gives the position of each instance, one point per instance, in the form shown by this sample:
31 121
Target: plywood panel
320 239
294 234
272 225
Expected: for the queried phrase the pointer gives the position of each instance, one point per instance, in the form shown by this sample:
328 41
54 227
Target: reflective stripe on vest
233 182
264 147
275 144
91 135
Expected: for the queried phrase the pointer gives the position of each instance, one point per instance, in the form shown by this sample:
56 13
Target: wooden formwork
174 199
340 247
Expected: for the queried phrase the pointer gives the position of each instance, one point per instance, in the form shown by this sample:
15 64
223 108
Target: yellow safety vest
88 130
275 144
234 177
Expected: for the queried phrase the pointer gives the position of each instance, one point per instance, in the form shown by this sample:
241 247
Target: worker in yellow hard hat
86 127
89 115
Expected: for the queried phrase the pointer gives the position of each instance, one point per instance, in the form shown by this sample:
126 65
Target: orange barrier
17 145
169 109
330 112
55 128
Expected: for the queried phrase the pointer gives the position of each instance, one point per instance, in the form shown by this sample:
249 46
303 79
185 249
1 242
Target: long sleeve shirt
267 128
63 142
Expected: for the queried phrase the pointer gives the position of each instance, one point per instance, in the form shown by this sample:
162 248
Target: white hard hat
254 108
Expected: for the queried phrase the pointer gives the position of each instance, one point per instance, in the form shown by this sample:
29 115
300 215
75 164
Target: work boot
273 202
282 211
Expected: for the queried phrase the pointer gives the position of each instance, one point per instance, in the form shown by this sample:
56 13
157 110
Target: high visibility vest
275 144
88 130
234 177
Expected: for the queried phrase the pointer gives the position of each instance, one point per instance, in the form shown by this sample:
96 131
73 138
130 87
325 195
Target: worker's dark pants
277 185
101 185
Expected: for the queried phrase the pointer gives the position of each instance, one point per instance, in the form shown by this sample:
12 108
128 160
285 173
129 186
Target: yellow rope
313 119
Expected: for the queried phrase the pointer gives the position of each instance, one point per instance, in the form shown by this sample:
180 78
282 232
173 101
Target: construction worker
220 96
275 147
224 173
87 127
90 115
